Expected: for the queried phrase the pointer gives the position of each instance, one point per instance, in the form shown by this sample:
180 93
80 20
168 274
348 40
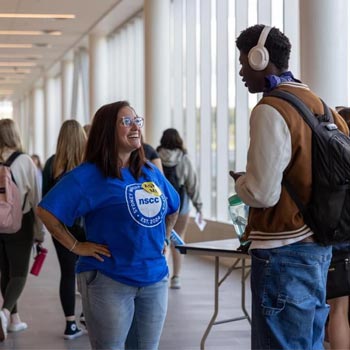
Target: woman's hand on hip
92 249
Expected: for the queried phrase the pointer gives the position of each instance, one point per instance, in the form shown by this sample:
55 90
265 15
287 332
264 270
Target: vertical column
222 116
47 124
66 88
324 52
205 170
157 75
38 122
75 85
139 70
16 115
292 30
30 123
189 134
98 63
51 122
242 110
264 12
177 65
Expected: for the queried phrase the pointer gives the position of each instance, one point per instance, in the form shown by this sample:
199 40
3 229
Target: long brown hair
102 146
171 139
9 136
70 147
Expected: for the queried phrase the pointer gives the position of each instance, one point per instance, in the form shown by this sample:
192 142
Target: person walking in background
152 155
15 248
288 269
338 324
177 167
345 113
69 154
129 210
87 128
39 168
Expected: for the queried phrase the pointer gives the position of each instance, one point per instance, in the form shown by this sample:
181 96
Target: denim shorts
289 307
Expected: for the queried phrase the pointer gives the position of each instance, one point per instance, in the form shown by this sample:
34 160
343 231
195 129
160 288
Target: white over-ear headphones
258 56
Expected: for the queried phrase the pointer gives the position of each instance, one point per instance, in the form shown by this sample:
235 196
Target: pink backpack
10 199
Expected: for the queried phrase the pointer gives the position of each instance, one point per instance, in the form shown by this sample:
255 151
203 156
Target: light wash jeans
289 309
110 308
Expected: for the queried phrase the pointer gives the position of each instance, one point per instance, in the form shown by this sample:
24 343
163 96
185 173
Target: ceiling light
16 46
15 70
17 64
52 32
46 45
10 82
18 55
30 32
37 15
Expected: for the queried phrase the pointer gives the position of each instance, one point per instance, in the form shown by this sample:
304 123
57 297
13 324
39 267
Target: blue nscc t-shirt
126 215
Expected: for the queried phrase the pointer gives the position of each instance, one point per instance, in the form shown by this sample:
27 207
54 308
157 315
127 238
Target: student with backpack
178 169
289 262
338 325
69 154
16 240
152 155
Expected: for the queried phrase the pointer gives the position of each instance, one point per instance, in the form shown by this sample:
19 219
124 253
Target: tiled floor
190 309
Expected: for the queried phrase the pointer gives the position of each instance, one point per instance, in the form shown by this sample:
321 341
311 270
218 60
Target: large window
126 65
6 109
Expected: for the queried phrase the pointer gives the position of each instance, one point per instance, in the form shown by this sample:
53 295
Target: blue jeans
289 309
110 308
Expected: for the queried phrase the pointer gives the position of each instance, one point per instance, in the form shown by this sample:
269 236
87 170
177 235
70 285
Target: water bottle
38 260
175 239
239 214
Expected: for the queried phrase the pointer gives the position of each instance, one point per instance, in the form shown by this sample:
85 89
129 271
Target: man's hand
234 175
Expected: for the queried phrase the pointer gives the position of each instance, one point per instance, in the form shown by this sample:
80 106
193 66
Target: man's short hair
277 44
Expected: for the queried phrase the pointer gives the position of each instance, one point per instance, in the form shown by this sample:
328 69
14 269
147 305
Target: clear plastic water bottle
175 239
239 214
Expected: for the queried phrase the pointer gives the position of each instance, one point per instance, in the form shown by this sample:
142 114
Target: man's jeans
289 307
111 307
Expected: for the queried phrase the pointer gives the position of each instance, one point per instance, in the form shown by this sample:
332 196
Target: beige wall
213 231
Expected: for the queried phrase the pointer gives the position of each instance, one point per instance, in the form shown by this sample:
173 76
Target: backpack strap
312 121
12 158
8 163
310 118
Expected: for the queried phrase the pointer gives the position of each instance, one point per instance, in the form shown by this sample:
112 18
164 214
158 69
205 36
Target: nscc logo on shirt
144 207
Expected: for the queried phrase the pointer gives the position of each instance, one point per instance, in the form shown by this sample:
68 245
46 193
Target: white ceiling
100 16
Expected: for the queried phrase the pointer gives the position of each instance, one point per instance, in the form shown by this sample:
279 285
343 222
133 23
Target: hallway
190 309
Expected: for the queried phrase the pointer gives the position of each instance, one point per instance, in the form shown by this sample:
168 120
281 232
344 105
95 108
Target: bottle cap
234 200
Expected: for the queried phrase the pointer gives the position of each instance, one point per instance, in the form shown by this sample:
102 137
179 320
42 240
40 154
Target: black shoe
72 331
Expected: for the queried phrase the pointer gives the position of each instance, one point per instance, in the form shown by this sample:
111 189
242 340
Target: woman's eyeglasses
129 121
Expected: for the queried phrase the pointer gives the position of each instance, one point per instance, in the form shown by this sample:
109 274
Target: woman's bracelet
74 245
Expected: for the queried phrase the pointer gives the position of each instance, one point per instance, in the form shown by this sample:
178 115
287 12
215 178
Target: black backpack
170 174
328 213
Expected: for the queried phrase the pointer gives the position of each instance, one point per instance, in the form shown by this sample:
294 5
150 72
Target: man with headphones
289 269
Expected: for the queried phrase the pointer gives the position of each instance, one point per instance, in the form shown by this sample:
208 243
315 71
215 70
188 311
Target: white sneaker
17 327
3 326
175 282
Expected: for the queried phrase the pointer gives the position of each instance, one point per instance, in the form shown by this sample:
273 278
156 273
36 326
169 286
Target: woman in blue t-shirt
129 210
